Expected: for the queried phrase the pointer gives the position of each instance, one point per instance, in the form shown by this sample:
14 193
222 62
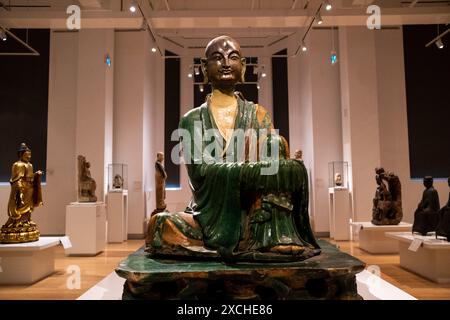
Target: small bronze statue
426 217
443 228
86 184
118 182
338 179
387 204
160 184
25 196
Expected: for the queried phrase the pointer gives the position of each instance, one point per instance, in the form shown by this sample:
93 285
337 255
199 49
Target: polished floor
94 269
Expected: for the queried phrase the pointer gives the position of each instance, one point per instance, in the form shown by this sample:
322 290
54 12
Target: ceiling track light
133 6
304 47
328 5
319 18
439 43
3 36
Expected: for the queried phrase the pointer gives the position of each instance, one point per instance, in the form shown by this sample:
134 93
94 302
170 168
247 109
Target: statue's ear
204 62
244 67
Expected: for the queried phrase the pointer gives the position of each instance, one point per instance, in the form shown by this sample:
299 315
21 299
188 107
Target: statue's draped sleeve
218 187
25 190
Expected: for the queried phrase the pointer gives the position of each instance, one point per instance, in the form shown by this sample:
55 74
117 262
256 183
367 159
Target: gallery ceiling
257 23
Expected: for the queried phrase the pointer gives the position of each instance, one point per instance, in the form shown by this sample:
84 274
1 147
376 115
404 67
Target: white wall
94 103
314 116
360 114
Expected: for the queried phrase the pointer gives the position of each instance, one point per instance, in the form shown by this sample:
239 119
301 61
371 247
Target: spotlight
328 5
190 74
197 71
153 49
3 36
133 6
319 18
304 47
439 43
201 88
258 86
263 72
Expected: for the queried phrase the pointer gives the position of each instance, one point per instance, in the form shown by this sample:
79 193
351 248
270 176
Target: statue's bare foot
288 249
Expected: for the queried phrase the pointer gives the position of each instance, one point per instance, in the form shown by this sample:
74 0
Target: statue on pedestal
250 201
25 196
86 184
338 179
160 184
118 182
443 228
426 217
387 204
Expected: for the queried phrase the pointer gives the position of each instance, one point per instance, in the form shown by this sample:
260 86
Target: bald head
224 42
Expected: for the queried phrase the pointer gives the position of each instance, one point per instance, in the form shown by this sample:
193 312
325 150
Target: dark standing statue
426 217
387 204
160 184
443 228
236 213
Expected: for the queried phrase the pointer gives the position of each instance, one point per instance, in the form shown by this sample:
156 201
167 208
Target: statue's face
160 157
26 156
224 64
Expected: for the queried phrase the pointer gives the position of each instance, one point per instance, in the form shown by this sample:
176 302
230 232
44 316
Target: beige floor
94 269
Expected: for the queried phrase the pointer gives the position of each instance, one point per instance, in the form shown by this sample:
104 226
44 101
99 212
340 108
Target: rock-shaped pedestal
330 275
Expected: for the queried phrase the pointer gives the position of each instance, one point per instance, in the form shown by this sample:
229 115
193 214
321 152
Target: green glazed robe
223 193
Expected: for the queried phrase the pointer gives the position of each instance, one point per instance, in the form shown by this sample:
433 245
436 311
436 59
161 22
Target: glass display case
117 177
338 174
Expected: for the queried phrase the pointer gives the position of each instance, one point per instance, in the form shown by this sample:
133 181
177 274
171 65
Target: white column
94 104
360 122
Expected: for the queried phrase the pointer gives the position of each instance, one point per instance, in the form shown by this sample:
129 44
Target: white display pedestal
86 227
26 263
372 238
117 216
339 213
431 260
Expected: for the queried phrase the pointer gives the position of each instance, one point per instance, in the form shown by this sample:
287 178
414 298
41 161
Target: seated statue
426 217
387 204
25 196
86 184
443 228
246 204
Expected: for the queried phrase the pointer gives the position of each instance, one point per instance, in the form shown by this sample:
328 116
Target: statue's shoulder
18 165
191 116
262 115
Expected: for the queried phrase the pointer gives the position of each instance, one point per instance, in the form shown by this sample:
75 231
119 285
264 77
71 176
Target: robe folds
235 205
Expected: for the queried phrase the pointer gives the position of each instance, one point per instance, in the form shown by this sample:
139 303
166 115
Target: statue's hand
39 172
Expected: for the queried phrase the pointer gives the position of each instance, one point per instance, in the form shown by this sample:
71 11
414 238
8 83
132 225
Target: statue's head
379 170
428 181
223 65
298 154
24 153
160 157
